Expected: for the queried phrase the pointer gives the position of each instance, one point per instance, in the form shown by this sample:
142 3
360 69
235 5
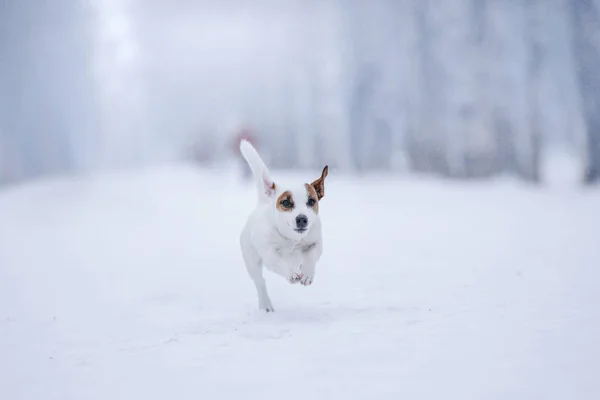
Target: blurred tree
44 104
481 148
10 46
426 143
535 52
586 46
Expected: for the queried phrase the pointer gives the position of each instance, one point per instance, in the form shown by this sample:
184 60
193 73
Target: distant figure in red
244 134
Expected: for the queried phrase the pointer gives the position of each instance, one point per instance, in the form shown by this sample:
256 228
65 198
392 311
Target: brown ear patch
285 201
319 184
312 194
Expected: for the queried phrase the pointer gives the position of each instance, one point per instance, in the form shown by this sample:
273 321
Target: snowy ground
131 286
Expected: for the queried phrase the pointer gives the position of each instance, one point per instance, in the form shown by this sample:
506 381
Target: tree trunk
586 46
534 66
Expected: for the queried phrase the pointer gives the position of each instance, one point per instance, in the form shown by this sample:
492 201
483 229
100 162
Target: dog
283 233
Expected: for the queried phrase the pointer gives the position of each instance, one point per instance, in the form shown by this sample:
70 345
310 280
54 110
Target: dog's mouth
300 230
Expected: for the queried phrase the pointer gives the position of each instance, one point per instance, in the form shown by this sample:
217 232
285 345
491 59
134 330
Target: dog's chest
289 248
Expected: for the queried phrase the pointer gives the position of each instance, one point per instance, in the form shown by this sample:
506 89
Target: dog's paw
266 307
295 278
307 280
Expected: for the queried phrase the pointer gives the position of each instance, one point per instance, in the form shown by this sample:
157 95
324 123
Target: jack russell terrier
283 233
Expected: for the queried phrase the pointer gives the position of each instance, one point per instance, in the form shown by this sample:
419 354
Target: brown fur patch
285 195
312 193
319 184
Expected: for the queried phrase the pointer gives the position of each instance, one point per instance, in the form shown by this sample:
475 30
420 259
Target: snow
130 285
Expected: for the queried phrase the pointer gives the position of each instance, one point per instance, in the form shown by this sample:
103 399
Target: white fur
269 237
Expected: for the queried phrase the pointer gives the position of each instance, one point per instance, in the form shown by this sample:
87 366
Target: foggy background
458 88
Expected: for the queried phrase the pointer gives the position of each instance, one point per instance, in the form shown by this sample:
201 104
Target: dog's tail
262 178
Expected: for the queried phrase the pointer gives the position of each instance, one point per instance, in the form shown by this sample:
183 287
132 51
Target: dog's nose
301 221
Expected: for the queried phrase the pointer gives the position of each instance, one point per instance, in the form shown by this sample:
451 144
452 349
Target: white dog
284 231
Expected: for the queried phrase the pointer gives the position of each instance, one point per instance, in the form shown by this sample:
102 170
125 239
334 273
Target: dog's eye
311 202
287 203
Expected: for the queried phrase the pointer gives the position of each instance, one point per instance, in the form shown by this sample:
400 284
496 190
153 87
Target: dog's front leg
287 268
309 265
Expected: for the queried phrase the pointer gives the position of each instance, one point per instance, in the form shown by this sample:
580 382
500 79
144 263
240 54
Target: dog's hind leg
264 302
254 267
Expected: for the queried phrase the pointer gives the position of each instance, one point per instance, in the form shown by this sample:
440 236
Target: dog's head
296 208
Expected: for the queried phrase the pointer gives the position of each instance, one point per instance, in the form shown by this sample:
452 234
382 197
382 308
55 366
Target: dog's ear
268 184
319 184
